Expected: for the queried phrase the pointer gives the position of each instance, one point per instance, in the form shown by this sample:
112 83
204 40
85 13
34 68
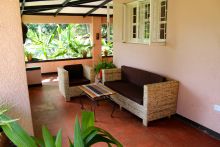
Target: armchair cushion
78 81
76 77
140 77
75 71
129 90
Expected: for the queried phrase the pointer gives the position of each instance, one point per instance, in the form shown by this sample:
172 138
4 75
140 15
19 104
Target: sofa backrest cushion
75 71
140 77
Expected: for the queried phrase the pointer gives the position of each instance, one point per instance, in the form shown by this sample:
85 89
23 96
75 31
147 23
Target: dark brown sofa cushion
78 81
129 90
140 77
75 71
76 77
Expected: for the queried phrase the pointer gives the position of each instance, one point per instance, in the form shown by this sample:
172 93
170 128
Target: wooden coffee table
97 92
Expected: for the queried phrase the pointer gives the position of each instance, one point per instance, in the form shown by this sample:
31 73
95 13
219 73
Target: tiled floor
50 109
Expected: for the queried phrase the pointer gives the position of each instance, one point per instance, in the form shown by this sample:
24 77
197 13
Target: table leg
113 104
81 102
113 110
94 105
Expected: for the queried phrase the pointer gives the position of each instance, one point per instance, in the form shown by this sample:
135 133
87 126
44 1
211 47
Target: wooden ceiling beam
35 10
22 6
61 8
78 2
57 6
35 0
99 6
65 14
67 3
51 7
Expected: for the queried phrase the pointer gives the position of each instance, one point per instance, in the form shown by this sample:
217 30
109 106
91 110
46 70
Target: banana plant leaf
78 141
84 136
22 139
88 134
17 134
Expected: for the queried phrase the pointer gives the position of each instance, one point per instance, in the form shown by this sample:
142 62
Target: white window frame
154 20
161 22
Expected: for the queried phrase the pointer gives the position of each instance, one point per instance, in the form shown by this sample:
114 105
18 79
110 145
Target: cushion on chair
75 71
140 77
129 90
78 81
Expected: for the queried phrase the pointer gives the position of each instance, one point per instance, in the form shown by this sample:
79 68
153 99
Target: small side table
98 92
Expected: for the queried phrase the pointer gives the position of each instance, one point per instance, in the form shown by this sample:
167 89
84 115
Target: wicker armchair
159 99
69 90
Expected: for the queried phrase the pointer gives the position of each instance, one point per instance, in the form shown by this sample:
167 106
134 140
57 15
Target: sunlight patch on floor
50 80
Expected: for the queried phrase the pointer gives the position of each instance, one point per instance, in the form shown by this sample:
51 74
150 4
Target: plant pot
29 57
100 74
105 53
84 54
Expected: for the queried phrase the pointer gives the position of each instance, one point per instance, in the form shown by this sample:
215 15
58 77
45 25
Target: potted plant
28 55
103 65
106 47
105 52
80 46
84 53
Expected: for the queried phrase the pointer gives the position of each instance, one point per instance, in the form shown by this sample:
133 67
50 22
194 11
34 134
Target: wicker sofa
71 76
147 95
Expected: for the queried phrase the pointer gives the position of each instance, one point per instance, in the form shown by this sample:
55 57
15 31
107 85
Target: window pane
163 19
107 45
162 34
146 30
134 35
147 11
58 47
135 11
134 19
163 12
134 29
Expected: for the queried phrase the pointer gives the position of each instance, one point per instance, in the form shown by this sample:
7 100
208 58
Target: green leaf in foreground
48 138
78 141
88 120
16 133
58 141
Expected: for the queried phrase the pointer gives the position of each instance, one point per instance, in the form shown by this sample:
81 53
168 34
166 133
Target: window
145 21
163 19
57 41
107 45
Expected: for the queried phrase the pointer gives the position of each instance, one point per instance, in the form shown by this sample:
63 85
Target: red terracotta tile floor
49 108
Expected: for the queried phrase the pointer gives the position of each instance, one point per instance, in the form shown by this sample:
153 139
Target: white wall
192 56
13 82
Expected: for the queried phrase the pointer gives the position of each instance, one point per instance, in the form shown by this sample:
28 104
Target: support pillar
13 87
96 36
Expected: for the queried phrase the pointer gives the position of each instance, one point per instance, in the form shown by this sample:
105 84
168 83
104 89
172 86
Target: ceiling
66 7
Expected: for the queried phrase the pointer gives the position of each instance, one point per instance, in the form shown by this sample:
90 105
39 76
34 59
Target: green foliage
16 134
22 139
103 65
88 134
50 41
107 46
84 136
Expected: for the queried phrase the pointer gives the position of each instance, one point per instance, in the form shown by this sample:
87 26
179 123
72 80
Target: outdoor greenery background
60 41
